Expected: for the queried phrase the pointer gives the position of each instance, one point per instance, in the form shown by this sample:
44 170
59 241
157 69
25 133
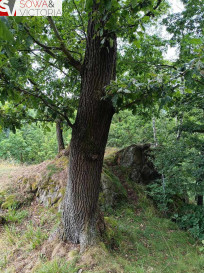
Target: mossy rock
10 202
15 201
34 186
112 191
110 160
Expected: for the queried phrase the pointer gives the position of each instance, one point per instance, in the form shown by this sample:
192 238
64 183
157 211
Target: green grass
137 241
146 243
57 266
152 244
16 216
35 236
52 168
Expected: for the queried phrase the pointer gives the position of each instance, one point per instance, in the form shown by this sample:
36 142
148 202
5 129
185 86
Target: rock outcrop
137 160
47 181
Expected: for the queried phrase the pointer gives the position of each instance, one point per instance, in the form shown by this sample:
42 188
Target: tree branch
76 64
39 96
45 47
82 22
130 104
149 13
50 105
47 62
199 81
39 49
154 8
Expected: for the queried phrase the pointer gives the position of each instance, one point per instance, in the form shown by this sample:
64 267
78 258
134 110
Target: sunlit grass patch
34 236
16 216
57 266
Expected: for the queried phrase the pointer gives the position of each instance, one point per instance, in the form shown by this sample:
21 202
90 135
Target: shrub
191 218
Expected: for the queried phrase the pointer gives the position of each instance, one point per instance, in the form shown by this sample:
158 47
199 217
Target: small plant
57 266
35 236
16 216
12 235
3 262
2 198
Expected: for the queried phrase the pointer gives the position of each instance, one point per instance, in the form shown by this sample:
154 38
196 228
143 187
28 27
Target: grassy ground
137 240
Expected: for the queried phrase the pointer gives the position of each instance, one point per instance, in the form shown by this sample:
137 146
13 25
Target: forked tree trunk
89 138
59 132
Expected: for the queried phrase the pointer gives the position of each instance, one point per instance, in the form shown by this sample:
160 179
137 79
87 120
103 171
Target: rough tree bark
89 138
59 132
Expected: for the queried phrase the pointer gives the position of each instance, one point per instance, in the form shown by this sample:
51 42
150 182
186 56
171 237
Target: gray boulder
137 160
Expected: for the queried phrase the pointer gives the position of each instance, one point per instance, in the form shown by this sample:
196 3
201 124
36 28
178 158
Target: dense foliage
30 144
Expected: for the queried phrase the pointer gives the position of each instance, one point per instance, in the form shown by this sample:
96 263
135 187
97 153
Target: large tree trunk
89 138
59 132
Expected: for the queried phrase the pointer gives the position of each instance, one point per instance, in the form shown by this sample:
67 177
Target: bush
191 218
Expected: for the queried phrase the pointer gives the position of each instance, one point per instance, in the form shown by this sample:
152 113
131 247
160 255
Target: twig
82 22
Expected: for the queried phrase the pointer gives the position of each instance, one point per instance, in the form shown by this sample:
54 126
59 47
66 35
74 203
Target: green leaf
5 34
108 4
137 43
134 3
196 41
89 4
47 129
101 32
114 100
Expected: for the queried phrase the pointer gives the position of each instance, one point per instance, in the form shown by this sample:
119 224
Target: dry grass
25 245
8 173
